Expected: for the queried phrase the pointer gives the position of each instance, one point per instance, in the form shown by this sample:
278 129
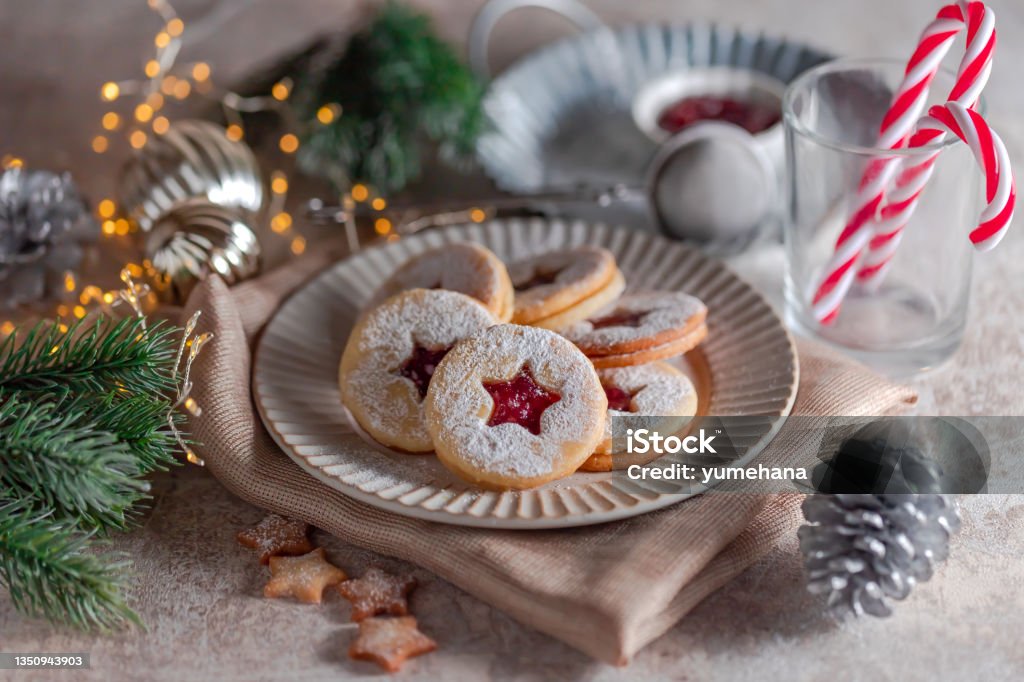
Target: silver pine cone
863 550
44 225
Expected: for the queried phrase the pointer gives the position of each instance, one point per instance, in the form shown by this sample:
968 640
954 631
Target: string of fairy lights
168 79
189 347
139 110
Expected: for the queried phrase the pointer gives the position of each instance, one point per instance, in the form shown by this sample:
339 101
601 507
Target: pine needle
53 455
396 84
48 571
84 415
140 422
97 357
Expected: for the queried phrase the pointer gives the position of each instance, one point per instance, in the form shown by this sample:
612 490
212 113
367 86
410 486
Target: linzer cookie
515 407
641 328
469 269
553 282
390 358
587 307
676 347
638 322
650 395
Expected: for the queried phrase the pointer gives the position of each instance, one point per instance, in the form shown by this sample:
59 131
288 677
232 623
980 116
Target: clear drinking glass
916 317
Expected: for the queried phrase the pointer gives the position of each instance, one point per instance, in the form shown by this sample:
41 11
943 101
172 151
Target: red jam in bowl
754 117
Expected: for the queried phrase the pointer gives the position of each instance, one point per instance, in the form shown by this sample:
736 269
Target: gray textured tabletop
199 592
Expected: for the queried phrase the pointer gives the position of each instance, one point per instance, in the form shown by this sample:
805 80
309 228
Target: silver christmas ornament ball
197 238
192 159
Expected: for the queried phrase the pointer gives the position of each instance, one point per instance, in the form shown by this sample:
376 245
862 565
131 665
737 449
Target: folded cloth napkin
606 590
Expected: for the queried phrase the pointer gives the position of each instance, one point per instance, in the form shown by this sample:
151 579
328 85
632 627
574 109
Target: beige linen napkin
607 590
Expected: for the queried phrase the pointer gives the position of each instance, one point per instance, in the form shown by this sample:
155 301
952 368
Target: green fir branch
53 454
97 357
85 414
140 422
49 571
396 85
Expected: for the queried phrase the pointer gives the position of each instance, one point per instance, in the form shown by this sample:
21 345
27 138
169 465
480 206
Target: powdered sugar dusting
377 592
660 314
390 641
383 401
580 271
466 268
658 389
459 407
276 535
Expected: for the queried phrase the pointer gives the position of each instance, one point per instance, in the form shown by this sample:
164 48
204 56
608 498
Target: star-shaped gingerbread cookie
303 577
277 535
389 642
377 593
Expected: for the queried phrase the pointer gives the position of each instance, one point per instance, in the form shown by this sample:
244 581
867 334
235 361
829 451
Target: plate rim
541 523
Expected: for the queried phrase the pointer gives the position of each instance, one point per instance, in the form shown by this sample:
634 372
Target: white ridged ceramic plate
747 366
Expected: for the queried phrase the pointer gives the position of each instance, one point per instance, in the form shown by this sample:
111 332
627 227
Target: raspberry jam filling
420 366
618 319
521 400
539 277
754 117
618 399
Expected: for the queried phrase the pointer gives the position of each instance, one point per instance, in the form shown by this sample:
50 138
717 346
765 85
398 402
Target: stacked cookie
431 366
560 288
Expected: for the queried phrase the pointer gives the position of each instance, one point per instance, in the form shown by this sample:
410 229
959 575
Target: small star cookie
377 592
388 642
303 577
276 535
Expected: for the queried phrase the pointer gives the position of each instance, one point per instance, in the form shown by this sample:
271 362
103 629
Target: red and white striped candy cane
908 104
902 198
990 153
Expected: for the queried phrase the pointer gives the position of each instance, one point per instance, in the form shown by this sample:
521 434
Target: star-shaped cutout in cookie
376 593
303 577
389 642
520 400
276 535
